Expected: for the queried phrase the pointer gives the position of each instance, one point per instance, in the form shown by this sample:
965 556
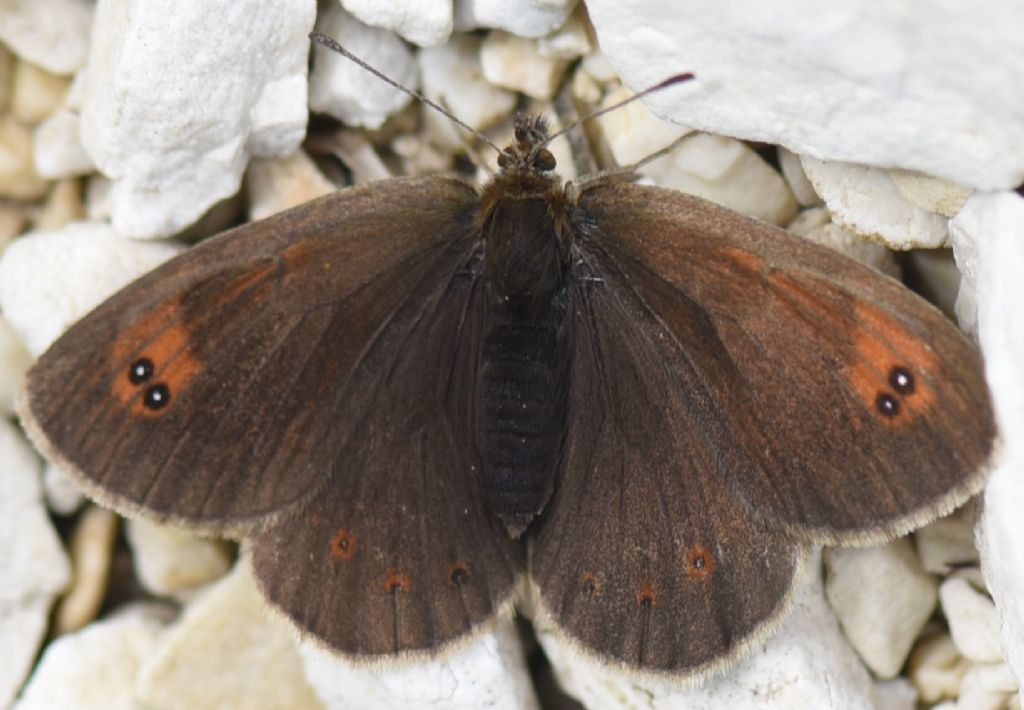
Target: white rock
340 87
865 201
424 23
52 34
14 363
948 541
276 184
570 41
526 18
895 694
33 566
18 176
986 241
92 550
169 561
883 599
598 66
793 171
62 206
816 224
930 193
936 668
987 687
358 155
806 664
58 147
95 668
22 630
452 76
490 672
180 96
633 132
973 621
891 85
516 63
48 280
37 93
63 496
727 172
226 652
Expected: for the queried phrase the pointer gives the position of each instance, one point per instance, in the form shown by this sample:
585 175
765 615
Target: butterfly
412 398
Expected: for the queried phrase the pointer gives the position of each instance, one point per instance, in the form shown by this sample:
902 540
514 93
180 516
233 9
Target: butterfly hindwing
825 385
644 553
399 553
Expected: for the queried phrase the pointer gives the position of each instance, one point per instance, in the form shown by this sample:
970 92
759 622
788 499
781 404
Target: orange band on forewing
882 343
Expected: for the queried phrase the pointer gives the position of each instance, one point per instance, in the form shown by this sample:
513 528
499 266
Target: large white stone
526 18
226 652
48 280
865 201
516 63
424 23
53 34
726 172
936 668
488 672
33 566
986 240
452 76
14 363
95 668
930 86
973 621
883 598
340 87
180 95
806 664
171 561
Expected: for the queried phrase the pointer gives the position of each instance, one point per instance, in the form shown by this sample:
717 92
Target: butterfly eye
901 380
545 161
156 397
458 573
140 371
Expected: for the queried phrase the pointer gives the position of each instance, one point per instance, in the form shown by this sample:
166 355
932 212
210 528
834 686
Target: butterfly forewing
253 337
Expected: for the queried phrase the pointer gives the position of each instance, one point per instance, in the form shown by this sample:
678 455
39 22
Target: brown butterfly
410 397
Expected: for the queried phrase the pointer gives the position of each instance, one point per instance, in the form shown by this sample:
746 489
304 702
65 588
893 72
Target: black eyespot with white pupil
902 382
140 371
887 405
157 396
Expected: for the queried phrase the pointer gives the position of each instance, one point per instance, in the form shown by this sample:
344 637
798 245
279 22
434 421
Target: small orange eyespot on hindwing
343 545
396 582
648 595
458 573
700 563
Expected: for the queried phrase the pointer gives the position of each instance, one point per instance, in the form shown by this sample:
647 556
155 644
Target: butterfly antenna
671 81
333 45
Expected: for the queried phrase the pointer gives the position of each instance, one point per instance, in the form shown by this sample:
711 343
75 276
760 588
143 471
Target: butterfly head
529 153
